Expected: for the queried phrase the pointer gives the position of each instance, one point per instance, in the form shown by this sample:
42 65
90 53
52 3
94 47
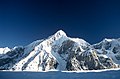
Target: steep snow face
109 48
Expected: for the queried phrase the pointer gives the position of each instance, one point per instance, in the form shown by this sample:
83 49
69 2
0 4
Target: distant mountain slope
59 52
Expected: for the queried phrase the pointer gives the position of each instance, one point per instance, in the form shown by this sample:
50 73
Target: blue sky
24 21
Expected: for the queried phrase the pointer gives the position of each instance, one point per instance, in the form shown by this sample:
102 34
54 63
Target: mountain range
62 53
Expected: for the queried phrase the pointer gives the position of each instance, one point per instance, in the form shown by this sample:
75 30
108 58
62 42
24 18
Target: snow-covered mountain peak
108 40
60 33
55 39
60 52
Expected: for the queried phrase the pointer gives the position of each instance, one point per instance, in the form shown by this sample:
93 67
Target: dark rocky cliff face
8 60
83 60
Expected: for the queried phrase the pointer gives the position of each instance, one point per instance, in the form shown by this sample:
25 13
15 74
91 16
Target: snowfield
106 74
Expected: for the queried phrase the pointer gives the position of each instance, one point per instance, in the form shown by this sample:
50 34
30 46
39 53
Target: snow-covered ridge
62 53
4 50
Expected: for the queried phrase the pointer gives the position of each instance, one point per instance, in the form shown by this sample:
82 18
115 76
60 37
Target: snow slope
113 74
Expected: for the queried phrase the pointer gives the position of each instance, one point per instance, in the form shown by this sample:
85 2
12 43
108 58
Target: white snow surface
110 74
4 50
